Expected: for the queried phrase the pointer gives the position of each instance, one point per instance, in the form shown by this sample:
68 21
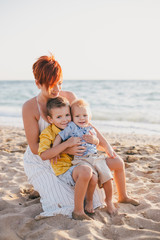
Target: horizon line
87 80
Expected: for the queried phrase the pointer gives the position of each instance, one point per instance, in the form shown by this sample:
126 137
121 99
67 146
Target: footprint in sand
153 214
157 156
141 223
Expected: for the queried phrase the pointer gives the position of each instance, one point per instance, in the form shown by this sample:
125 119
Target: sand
19 204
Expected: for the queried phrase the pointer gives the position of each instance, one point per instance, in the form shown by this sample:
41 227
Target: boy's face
60 117
80 116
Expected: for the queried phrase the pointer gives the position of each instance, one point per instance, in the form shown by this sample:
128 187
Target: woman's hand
111 153
75 150
91 138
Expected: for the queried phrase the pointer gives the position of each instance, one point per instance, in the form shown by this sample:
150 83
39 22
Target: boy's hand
72 141
76 150
54 159
91 138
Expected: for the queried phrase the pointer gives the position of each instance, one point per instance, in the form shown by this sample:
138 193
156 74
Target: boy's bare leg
111 209
89 194
81 175
117 165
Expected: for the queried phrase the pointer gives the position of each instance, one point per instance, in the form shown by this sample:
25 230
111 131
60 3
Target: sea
117 106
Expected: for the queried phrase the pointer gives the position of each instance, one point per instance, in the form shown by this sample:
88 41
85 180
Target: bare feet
129 200
89 207
111 209
83 216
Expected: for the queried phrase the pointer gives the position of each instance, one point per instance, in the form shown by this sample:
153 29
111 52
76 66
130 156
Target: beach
19 204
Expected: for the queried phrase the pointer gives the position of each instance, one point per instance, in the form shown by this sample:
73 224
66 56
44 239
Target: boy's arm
55 150
57 140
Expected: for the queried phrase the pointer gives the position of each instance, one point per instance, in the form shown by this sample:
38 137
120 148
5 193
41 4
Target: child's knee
94 179
86 172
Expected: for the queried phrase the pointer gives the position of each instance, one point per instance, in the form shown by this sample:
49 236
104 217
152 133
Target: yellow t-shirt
47 138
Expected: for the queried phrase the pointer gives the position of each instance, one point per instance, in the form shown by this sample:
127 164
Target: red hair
47 71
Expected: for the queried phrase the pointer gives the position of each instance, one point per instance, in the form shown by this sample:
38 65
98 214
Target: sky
91 39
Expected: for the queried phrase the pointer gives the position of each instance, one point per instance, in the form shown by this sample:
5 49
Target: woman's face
55 90
51 92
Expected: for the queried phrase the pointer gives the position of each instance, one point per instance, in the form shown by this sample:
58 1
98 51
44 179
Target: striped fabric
56 196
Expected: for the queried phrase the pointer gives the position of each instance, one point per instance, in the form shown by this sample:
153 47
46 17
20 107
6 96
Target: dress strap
39 109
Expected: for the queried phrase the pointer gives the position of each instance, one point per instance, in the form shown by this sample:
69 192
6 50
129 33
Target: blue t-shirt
72 130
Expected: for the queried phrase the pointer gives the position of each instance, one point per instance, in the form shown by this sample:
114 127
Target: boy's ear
49 119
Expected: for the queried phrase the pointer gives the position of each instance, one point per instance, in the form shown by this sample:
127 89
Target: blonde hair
81 103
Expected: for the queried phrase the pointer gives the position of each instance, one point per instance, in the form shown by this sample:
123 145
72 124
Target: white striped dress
56 196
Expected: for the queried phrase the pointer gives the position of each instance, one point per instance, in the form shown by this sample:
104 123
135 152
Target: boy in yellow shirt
59 120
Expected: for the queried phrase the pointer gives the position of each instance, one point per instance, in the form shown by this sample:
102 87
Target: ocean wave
127 117
127 103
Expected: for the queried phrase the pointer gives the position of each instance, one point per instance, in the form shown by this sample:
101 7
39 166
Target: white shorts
98 164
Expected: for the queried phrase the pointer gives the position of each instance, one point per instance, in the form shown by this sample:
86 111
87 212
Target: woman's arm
69 95
31 125
104 145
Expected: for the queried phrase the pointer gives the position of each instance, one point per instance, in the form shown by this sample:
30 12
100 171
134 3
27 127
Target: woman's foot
111 209
129 200
89 207
83 216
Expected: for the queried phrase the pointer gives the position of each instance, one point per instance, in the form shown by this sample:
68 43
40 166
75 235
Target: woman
56 197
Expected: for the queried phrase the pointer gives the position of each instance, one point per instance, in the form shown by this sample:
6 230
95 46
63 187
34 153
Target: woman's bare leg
117 165
81 175
89 194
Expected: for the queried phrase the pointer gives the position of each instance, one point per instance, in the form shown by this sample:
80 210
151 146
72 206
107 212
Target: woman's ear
38 84
49 119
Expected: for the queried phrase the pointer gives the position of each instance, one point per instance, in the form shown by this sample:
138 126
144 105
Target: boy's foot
89 207
111 209
76 216
129 200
